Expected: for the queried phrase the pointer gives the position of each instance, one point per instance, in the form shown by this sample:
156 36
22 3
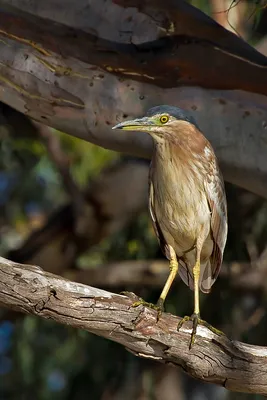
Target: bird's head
161 122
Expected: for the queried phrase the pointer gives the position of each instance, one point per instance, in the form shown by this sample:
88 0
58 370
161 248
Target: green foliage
138 241
32 184
86 159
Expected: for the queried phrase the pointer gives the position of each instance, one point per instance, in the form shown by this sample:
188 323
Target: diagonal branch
213 358
178 58
84 81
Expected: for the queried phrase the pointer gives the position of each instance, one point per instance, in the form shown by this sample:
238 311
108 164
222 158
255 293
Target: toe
160 305
182 321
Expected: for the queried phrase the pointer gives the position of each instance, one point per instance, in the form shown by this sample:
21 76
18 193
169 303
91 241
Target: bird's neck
165 152
184 147
171 160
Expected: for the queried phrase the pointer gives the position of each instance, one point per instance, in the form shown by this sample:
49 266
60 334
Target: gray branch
81 70
213 358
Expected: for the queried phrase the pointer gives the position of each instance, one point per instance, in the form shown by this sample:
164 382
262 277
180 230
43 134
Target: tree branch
60 160
75 86
153 273
213 358
167 61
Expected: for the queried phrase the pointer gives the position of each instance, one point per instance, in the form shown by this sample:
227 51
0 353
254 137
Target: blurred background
80 211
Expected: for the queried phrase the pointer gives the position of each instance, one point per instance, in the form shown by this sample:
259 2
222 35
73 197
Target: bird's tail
206 277
205 280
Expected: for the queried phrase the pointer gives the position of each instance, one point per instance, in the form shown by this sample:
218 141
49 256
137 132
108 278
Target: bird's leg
173 272
159 307
195 317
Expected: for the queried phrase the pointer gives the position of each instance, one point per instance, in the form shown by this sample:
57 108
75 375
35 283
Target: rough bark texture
69 65
213 358
167 61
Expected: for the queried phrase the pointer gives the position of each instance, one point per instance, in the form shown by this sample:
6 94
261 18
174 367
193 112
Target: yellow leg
195 318
173 272
196 274
159 307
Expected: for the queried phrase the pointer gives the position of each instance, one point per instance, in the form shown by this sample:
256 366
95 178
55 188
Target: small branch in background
81 211
153 273
252 321
230 14
213 358
61 162
110 206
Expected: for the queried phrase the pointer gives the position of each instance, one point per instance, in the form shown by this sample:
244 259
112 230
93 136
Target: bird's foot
211 328
132 296
157 307
195 318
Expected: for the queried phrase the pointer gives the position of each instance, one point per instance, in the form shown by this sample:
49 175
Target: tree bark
76 78
213 358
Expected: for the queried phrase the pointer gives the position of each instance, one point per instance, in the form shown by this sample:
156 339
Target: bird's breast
180 203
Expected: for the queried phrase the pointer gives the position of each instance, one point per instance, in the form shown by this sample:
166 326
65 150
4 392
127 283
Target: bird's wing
214 186
163 245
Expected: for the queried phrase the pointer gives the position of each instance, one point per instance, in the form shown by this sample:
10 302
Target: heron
187 201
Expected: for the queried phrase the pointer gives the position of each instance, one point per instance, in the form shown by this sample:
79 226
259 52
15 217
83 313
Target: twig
213 358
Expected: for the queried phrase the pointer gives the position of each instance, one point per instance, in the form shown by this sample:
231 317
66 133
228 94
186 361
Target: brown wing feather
215 192
159 234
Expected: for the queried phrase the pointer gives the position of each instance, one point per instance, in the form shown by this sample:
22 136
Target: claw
131 295
183 320
211 328
195 318
158 307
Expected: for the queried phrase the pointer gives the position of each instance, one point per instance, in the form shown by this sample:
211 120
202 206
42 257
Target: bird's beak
139 124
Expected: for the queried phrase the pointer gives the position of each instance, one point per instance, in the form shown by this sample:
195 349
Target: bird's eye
164 119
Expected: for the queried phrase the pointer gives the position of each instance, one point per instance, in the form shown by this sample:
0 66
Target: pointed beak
139 124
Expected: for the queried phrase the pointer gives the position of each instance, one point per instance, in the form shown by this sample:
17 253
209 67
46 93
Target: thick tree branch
74 85
167 61
213 358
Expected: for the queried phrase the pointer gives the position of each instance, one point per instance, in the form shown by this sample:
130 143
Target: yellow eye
164 119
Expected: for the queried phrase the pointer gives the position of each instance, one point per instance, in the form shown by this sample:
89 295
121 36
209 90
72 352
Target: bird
187 201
